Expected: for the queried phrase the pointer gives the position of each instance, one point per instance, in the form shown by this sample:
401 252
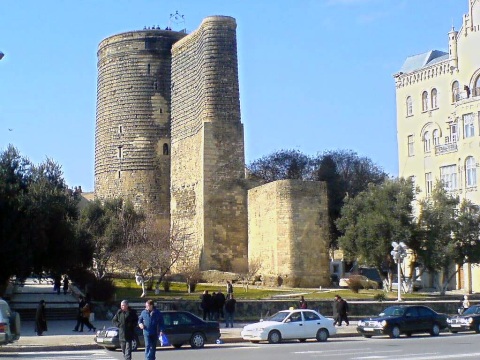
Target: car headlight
470 320
449 320
384 323
112 333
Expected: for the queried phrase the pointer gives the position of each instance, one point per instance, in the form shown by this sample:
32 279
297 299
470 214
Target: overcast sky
315 75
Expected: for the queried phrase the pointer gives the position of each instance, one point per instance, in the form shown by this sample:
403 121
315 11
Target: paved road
62 355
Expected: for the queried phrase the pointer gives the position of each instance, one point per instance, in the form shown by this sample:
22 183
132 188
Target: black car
181 327
468 321
403 319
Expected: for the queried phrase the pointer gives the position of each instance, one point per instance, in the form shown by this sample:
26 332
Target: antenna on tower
177 22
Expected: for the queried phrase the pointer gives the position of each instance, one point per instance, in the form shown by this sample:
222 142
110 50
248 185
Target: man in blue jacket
151 322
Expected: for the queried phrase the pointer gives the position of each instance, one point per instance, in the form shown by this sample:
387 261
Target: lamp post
399 253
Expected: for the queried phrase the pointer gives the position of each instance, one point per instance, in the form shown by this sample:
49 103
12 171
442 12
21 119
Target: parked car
372 274
468 321
9 324
301 324
403 319
363 280
181 327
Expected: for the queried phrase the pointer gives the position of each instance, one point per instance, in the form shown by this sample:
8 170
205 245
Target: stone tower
209 196
132 135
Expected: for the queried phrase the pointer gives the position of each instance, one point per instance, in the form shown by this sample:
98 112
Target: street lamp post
399 253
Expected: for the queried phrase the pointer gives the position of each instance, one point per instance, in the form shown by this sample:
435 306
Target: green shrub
354 284
380 297
102 289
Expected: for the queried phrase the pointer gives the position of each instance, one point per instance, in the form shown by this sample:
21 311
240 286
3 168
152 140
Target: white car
9 324
301 324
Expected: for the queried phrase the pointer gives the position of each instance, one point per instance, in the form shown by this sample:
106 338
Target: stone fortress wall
209 196
169 137
132 135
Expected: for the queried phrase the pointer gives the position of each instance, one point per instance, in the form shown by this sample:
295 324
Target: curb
72 347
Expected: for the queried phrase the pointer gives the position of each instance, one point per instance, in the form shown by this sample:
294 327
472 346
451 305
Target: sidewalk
61 337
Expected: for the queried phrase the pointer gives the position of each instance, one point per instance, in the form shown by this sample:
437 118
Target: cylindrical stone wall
132 135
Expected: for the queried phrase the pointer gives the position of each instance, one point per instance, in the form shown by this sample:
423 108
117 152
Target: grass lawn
128 289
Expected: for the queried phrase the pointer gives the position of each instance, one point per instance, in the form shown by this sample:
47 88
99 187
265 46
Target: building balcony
446 148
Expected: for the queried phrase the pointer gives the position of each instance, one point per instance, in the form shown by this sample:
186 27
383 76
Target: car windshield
472 310
279 316
393 311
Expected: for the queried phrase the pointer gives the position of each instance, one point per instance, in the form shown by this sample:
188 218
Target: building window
165 149
148 69
409 106
468 126
471 171
120 152
434 99
476 89
455 91
413 179
411 149
448 175
425 101
436 137
453 133
428 183
427 144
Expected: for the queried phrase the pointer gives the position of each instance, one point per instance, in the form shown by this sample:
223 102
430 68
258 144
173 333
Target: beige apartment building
438 120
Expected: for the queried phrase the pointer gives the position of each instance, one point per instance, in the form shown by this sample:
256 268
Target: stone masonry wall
132 135
288 232
207 174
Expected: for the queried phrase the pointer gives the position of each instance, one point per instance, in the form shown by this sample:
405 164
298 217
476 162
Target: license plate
99 340
456 325
367 329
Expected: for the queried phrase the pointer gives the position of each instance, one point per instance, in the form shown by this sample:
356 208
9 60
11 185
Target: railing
446 148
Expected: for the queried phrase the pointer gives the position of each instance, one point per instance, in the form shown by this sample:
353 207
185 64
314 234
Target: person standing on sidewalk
41 319
81 304
342 311
126 319
230 310
151 322
303 303
86 311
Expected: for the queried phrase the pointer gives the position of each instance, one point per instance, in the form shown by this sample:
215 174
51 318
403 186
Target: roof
417 62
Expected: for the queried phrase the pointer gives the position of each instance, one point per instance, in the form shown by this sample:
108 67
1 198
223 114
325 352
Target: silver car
9 324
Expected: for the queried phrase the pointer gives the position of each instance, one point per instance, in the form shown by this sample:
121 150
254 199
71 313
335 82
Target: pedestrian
86 311
230 310
342 311
126 319
303 303
40 319
151 322
219 301
206 305
81 304
465 303
57 283
65 285
229 288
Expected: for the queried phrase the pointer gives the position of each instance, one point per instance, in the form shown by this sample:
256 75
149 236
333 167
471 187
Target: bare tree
152 251
254 267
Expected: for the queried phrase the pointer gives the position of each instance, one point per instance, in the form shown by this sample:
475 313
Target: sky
315 75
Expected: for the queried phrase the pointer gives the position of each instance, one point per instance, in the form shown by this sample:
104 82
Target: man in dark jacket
126 320
40 319
342 311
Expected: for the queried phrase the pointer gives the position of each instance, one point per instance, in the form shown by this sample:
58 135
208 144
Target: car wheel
274 337
322 335
110 348
302 340
435 330
367 336
395 332
177 346
197 340
135 344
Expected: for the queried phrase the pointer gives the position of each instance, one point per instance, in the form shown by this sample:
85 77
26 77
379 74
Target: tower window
434 99
119 174
165 149
120 129
409 106
148 69
120 152
425 101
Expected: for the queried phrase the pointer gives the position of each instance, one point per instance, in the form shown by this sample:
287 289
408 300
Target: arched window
427 145
436 137
455 91
409 106
165 149
476 90
470 171
434 99
425 101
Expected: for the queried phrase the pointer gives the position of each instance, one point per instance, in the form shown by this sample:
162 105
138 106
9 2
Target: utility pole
399 253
